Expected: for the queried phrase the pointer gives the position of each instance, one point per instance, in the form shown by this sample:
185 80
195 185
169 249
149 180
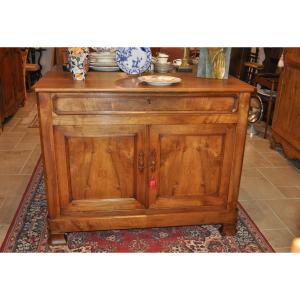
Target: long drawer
99 104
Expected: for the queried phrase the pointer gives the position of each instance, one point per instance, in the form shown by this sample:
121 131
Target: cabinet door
190 165
100 168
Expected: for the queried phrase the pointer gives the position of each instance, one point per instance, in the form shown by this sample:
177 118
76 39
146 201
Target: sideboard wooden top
121 82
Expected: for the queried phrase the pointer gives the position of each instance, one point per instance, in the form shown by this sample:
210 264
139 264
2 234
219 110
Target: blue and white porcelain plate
134 60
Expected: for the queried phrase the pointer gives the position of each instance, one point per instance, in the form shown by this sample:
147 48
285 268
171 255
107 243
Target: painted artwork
214 63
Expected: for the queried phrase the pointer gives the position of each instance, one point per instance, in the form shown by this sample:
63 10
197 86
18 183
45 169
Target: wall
47 60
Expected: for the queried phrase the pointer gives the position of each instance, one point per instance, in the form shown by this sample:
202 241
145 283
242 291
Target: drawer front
89 104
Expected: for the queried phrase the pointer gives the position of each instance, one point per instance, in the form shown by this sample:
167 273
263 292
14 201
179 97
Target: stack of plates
104 49
163 68
103 61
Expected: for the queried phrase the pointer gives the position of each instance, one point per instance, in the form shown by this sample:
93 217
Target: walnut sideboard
120 154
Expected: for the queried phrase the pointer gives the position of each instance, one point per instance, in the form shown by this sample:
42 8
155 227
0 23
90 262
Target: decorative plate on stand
134 60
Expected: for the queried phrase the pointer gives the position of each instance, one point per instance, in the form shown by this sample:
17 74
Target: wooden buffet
120 154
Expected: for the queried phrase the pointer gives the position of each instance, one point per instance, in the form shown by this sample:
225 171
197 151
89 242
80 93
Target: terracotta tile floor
270 185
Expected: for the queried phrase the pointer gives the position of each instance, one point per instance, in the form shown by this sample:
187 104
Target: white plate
104 49
159 80
104 69
104 64
103 60
103 54
103 57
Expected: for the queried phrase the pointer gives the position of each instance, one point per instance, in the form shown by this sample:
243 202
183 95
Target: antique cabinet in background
286 120
120 154
11 82
7 72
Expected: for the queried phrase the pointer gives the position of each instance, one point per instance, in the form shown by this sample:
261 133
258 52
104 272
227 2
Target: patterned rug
28 232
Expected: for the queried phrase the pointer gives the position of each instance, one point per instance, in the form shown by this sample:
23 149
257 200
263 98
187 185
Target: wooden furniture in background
1 106
269 81
20 89
23 55
30 68
251 66
119 154
252 70
237 59
272 56
60 56
34 65
244 65
286 120
11 82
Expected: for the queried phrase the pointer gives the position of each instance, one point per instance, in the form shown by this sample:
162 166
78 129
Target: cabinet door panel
192 165
100 168
107 160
